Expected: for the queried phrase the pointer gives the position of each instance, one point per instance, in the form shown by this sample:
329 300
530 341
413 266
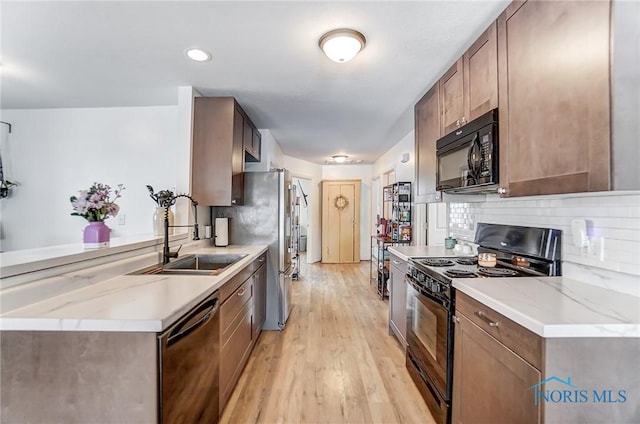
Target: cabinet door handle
486 319
242 292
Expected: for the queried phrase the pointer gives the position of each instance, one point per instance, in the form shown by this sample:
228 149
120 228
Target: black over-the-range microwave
468 157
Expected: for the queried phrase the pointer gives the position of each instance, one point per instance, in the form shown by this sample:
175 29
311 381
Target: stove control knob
435 287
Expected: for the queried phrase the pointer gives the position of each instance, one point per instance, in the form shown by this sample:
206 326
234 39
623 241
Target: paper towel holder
221 232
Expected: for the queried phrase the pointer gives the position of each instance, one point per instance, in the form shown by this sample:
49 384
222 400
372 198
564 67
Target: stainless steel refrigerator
266 218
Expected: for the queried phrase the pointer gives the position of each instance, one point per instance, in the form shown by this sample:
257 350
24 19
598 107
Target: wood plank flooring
334 363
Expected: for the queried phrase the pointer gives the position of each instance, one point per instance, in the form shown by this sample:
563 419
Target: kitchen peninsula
99 328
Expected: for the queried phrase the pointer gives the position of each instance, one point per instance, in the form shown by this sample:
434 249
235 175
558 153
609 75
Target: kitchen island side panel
604 381
78 377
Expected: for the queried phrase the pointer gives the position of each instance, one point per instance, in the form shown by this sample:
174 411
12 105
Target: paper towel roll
222 232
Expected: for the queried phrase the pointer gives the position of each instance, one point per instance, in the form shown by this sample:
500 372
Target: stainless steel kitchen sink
197 264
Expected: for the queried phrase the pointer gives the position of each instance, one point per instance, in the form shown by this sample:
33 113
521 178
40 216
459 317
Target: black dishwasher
188 371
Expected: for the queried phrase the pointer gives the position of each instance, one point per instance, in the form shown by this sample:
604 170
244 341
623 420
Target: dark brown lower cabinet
490 381
504 373
242 314
259 298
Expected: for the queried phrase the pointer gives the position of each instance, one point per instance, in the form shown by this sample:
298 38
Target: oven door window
428 335
425 327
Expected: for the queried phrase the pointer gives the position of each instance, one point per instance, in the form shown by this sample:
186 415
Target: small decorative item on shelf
405 232
95 205
161 198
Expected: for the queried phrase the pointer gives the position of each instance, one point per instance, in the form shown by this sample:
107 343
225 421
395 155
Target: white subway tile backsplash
612 215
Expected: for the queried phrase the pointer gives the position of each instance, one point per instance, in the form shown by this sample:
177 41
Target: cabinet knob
463 121
458 123
234 201
502 190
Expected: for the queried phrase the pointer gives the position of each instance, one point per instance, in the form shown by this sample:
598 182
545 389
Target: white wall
312 172
363 173
56 152
391 159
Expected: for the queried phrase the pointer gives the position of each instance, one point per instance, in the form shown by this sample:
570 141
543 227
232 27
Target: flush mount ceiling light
339 158
198 55
342 45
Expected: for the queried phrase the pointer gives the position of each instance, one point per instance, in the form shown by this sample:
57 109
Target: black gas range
504 251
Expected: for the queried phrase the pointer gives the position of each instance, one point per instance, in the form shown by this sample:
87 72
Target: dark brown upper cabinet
252 140
427 132
217 162
469 88
554 97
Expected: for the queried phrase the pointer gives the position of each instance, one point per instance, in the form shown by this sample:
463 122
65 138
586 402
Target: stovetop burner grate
497 272
436 262
459 273
467 261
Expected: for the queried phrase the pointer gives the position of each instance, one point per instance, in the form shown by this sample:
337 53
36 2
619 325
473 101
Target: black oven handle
445 303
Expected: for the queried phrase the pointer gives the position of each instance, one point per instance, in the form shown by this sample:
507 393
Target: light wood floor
334 363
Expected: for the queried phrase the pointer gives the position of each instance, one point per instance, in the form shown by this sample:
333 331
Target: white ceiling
110 54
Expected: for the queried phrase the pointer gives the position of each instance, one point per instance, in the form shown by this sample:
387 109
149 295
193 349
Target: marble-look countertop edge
14 263
548 330
407 252
16 321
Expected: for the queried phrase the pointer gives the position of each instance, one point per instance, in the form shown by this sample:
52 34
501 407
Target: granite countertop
548 306
129 303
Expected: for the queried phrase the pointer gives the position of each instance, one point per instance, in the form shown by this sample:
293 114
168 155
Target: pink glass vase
96 235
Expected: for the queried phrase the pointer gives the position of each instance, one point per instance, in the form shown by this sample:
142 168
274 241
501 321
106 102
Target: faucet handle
174 254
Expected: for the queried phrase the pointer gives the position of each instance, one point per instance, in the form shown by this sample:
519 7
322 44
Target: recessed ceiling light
198 55
339 158
342 45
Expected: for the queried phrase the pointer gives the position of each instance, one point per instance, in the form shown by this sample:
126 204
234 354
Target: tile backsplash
614 216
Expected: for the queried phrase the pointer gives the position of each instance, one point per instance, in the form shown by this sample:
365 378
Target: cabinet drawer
232 285
517 338
234 354
233 307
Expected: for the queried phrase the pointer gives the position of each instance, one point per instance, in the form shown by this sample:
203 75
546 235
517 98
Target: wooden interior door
341 221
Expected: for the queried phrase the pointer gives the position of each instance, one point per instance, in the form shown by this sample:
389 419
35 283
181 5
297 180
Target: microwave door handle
472 161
